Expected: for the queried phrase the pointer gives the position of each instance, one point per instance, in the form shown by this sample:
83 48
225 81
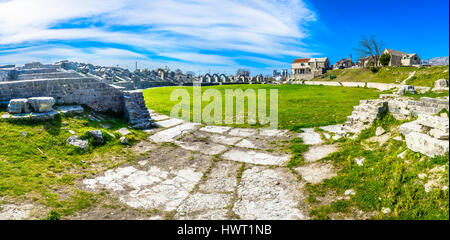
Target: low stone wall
32 76
402 108
99 96
4 75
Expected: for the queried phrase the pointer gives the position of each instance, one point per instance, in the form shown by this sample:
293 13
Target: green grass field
299 105
37 164
423 76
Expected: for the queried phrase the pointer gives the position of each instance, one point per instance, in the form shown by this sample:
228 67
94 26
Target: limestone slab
203 202
169 122
273 132
227 140
124 131
269 194
440 123
410 127
419 142
215 129
310 137
245 143
169 135
221 178
41 104
15 212
150 189
255 157
203 147
318 152
70 109
243 132
157 117
316 172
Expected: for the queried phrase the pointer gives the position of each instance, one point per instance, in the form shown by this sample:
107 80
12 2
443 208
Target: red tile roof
301 60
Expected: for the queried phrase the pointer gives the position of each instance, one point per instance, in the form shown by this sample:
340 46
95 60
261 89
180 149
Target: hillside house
402 59
308 68
366 61
343 63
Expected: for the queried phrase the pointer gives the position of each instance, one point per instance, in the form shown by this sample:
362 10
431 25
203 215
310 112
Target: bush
374 69
331 76
385 59
54 215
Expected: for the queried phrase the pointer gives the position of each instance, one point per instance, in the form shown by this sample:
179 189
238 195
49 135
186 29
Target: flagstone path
195 171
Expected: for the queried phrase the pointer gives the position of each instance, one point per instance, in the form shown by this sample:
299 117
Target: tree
244 72
370 47
385 59
190 73
178 71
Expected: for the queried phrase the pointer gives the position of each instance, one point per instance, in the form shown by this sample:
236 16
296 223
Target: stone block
97 136
75 141
441 83
18 106
406 89
42 104
431 147
431 121
410 127
70 109
438 134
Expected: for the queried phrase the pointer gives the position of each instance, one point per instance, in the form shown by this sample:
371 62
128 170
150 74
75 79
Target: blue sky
216 36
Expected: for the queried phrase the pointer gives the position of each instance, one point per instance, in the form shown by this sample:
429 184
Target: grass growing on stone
423 77
297 148
384 182
299 106
37 165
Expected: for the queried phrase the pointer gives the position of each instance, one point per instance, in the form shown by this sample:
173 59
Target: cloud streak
163 31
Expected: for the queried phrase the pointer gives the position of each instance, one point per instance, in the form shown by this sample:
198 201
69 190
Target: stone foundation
86 91
98 96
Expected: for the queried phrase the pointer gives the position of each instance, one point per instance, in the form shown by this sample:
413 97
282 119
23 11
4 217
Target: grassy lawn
299 106
37 165
423 76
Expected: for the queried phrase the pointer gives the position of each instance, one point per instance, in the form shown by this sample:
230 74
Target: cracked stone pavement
195 171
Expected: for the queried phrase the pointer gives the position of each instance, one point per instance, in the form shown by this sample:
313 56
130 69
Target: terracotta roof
301 60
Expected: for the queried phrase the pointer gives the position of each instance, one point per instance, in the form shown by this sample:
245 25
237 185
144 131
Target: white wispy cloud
178 29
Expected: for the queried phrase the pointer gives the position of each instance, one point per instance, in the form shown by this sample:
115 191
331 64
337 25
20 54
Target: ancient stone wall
135 110
32 76
402 108
99 96
4 75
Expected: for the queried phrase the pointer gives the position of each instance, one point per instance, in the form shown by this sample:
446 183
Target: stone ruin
429 134
33 108
33 84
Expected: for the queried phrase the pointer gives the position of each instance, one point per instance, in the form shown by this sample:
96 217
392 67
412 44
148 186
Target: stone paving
195 171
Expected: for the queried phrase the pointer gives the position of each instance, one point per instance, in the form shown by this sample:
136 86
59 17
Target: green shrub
385 59
54 215
374 69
